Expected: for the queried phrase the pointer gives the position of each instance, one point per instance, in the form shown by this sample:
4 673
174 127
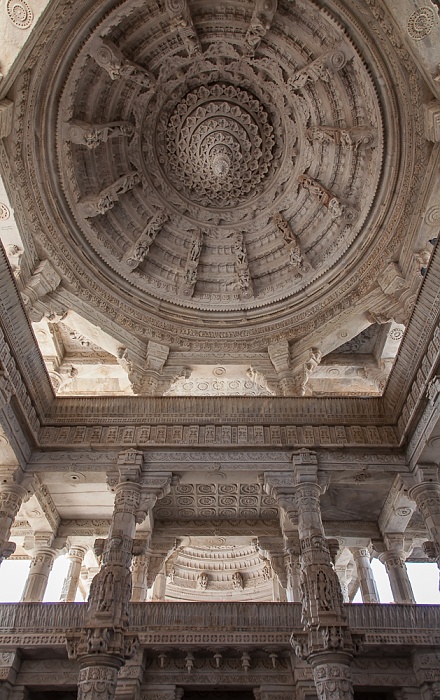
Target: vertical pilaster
365 574
70 586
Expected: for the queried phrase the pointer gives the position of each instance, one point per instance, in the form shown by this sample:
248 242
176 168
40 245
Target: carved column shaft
332 676
322 598
139 571
365 574
399 581
427 498
70 586
11 498
103 646
41 566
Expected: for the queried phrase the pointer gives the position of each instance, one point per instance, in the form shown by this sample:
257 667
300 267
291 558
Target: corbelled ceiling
216 179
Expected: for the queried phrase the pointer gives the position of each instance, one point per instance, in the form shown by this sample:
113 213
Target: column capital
129 465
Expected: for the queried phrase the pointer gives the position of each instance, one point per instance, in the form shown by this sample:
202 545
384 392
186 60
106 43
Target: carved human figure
202 581
240 251
237 580
92 135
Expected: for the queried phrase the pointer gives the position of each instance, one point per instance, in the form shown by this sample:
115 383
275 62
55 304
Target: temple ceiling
208 183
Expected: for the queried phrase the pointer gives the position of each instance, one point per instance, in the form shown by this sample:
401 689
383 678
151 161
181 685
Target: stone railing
165 623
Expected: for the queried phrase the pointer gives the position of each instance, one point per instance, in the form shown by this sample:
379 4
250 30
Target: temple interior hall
219 349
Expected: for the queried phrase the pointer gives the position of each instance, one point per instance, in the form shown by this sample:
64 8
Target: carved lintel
6 113
107 198
358 137
181 20
112 60
92 135
260 23
296 258
142 246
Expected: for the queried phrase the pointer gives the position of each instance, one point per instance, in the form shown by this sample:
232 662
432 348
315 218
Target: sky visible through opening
424 580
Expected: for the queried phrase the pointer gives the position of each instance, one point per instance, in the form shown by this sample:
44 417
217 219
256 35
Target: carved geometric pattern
229 501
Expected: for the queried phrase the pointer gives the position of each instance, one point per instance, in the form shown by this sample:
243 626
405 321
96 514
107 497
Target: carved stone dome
216 168
228 164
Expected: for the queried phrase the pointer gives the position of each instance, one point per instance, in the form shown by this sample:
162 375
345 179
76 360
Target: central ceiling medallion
218 146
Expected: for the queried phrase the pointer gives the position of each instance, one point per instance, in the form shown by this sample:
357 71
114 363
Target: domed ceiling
223 178
222 160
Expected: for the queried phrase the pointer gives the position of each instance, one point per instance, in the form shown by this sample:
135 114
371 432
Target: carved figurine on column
105 642
326 644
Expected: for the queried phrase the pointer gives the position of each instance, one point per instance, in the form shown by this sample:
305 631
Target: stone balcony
207 625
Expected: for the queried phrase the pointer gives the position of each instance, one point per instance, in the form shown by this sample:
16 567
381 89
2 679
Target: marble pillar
367 583
394 560
139 572
326 643
11 497
344 579
105 642
331 672
426 494
70 586
43 557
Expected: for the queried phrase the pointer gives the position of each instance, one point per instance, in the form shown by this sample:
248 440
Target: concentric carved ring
219 145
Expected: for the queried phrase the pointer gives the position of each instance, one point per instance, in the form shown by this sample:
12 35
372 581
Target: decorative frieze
216 435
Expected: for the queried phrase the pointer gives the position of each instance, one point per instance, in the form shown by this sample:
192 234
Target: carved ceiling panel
225 501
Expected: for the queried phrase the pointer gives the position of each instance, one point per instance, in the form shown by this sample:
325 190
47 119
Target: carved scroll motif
319 69
296 258
325 197
190 277
92 135
358 137
142 246
181 20
242 267
111 59
107 198
260 24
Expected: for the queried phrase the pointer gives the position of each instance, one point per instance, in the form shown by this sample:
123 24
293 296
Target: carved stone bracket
358 137
260 23
297 259
192 262
245 285
99 204
181 20
92 135
142 246
318 69
112 60
43 281
324 196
